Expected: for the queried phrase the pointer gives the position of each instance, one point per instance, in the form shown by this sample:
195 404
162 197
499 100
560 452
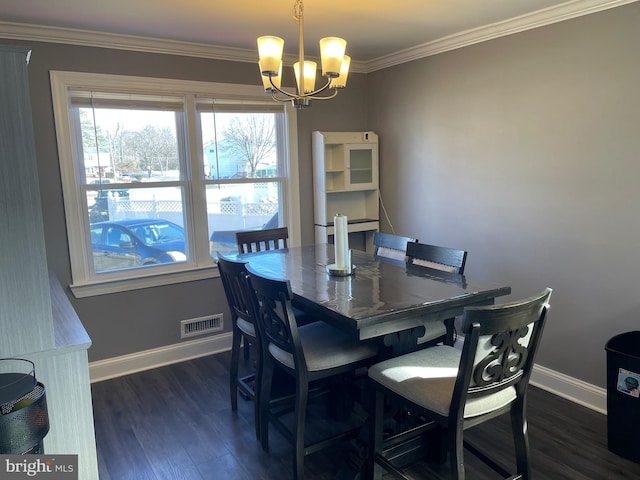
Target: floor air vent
201 326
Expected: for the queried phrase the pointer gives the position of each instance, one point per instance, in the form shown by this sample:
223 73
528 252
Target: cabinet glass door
361 168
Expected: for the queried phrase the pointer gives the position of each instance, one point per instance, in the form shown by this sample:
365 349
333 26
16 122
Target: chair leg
302 394
449 336
257 381
375 403
233 370
264 397
521 438
456 451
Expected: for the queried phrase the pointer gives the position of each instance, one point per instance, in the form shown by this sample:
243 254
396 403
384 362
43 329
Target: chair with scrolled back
232 274
308 353
458 389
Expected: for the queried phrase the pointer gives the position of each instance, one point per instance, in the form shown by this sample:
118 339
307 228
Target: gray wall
525 151
129 322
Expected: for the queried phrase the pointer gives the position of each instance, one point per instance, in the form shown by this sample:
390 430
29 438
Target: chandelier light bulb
332 53
309 74
341 81
270 52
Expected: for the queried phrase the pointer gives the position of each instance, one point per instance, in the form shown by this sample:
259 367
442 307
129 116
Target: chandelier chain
298 10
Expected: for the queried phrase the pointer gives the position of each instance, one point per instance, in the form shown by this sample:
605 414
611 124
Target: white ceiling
374 29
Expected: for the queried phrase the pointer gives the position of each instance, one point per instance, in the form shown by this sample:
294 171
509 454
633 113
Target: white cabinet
37 320
346 181
25 303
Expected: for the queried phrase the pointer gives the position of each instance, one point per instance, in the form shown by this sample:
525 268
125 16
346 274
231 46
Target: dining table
381 298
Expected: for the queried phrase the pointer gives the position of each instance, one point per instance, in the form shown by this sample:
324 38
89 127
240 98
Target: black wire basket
24 420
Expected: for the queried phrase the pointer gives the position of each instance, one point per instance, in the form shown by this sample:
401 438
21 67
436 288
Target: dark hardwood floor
175 422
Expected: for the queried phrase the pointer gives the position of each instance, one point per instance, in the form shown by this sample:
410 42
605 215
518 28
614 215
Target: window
241 164
158 175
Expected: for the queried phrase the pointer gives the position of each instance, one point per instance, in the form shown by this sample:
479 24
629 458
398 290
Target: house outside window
158 175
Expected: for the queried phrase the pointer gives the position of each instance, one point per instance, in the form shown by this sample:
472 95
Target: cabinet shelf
329 191
354 221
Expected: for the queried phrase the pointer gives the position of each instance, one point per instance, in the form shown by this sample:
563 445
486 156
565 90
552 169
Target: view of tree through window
159 174
115 145
241 159
251 137
129 157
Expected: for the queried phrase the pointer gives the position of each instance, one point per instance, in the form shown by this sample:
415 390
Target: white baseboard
158 357
577 391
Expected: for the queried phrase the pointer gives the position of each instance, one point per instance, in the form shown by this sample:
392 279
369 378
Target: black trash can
623 395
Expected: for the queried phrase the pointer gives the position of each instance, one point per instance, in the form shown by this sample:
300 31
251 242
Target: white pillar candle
341 240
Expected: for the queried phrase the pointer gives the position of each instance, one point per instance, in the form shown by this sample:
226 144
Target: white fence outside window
234 215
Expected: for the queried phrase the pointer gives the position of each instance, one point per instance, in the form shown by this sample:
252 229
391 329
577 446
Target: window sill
155 280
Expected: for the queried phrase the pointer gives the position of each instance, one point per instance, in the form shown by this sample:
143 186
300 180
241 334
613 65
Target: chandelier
335 66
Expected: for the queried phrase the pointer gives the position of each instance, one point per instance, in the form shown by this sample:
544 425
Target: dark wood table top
381 298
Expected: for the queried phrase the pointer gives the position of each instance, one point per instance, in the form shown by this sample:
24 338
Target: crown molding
90 38
540 18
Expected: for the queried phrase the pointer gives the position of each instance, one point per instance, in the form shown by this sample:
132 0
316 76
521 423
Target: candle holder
333 269
339 271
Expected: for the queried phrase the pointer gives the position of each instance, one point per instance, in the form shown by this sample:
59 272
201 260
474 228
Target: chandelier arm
319 90
310 95
281 100
278 89
324 97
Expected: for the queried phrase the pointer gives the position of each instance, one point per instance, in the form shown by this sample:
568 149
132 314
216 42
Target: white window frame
201 265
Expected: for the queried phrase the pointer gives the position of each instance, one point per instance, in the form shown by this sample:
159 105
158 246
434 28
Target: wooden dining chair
392 246
444 259
439 258
232 274
309 353
458 389
258 240
269 239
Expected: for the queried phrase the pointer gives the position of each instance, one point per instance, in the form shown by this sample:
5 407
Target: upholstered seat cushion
246 327
325 347
427 378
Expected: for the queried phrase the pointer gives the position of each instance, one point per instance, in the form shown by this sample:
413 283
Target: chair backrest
232 274
392 246
499 349
274 314
439 258
258 240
